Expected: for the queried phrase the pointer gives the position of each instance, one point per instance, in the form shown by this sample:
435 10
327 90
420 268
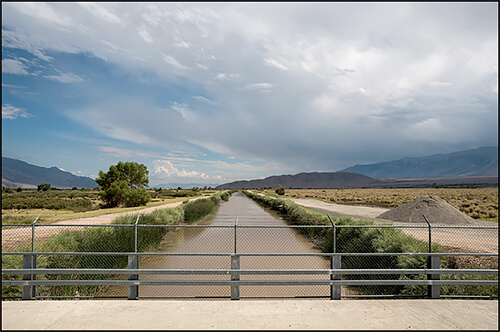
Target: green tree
124 184
43 187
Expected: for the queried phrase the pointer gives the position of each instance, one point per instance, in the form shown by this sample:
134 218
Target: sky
214 92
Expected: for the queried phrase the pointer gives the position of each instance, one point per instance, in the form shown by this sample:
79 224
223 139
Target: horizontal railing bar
370 282
248 254
253 226
250 271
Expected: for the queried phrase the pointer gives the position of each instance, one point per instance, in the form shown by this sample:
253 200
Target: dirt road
13 237
469 240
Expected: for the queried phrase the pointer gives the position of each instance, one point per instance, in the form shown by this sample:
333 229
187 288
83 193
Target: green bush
280 190
198 209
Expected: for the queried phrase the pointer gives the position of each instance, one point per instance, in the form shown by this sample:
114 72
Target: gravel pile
435 209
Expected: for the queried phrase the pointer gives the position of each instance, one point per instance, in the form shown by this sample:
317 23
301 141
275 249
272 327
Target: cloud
165 169
205 100
65 78
259 86
11 66
126 153
99 10
172 61
351 83
11 112
275 63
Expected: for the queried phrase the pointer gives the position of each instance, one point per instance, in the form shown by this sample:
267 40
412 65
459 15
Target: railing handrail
231 225
250 271
114 253
369 282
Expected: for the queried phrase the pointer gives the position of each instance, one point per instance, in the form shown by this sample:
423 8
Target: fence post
335 290
335 263
433 291
235 265
433 262
135 230
28 292
235 228
29 262
430 232
334 243
133 290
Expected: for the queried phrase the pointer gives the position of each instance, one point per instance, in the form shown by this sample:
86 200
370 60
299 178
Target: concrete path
252 315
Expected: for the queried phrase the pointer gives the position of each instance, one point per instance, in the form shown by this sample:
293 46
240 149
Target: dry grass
478 203
27 216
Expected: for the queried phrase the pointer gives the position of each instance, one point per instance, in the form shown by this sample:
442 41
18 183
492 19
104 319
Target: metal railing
338 276
433 273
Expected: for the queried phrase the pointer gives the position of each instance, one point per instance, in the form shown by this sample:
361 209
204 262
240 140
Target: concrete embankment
252 315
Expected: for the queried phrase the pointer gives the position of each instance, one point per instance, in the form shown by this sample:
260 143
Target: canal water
218 236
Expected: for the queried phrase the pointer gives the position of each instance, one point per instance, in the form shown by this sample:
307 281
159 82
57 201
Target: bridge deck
302 314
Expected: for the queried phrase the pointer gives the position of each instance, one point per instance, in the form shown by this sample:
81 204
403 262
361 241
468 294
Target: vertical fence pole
133 291
430 232
433 291
29 261
335 290
33 233
335 263
235 227
28 292
433 262
334 243
235 265
135 226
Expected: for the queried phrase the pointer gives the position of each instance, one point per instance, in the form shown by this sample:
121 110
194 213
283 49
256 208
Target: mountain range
313 180
17 173
476 166
477 162
470 166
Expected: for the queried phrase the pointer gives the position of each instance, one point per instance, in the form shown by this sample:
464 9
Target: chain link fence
191 246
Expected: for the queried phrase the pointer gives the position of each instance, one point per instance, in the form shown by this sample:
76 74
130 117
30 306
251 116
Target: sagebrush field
478 203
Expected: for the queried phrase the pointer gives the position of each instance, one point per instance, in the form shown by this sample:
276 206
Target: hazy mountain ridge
17 173
476 162
313 180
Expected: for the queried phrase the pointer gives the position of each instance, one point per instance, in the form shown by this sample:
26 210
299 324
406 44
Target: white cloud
144 33
275 63
172 61
184 111
227 77
259 86
205 100
66 78
361 71
11 66
11 112
165 169
99 10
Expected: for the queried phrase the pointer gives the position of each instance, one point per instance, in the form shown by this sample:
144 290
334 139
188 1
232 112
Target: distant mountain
184 185
306 180
477 162
17 173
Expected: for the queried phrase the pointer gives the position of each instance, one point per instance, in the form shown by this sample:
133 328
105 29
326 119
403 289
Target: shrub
43 187
198 209
280 190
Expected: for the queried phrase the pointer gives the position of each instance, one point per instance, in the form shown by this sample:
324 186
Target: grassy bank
373 240
120 237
